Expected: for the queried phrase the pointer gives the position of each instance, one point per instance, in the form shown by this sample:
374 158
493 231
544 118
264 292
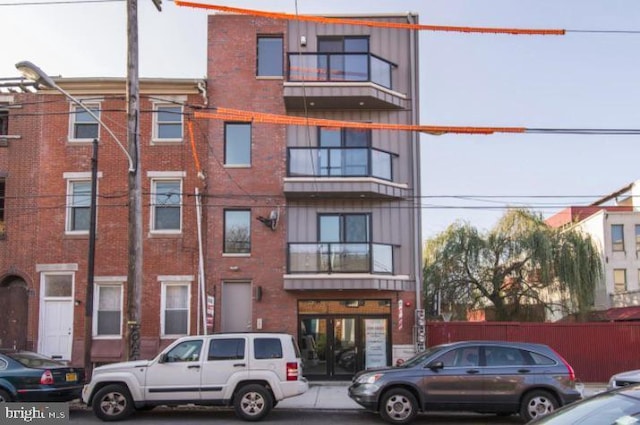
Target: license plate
72 377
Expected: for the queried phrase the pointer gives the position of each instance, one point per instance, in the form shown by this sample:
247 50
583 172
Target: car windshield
419 358
29 359
606 409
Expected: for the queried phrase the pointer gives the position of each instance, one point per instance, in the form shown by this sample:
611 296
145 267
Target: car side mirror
436 365
163 358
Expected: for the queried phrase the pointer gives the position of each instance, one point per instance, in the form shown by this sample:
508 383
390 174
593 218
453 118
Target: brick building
308 229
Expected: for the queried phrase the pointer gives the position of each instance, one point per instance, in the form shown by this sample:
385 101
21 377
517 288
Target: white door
56 329
236 307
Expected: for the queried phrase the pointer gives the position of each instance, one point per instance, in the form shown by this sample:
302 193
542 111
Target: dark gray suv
479 376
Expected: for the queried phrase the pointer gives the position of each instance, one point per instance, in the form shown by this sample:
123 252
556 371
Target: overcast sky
579 80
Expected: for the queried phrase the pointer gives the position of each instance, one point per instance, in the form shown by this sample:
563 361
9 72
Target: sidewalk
333 396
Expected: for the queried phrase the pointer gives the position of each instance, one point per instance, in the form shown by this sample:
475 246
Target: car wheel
537 403
398 406
113 403
252 402
4 396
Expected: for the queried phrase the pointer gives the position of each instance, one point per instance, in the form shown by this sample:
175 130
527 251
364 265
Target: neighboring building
616 231
309 230
342 268
45 179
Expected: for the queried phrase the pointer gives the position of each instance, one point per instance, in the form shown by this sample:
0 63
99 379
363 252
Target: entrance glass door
337 339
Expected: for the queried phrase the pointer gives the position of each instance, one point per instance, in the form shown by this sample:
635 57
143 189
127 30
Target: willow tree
520 262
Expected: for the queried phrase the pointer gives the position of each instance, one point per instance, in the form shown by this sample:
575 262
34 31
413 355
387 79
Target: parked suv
478 376
249 371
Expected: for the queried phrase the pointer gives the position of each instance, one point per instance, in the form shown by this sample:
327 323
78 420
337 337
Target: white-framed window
107 308
167 123
619 280
82 126
78 206
166 202
175 309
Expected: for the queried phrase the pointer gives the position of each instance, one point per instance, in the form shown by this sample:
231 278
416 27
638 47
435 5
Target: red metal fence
595 350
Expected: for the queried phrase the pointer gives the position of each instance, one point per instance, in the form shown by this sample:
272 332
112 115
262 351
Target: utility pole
135 241
134 270
88 302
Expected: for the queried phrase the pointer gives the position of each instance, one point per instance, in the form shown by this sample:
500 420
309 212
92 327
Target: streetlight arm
32 72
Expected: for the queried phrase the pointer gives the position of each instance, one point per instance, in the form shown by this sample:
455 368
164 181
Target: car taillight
572 374
292 371
46 378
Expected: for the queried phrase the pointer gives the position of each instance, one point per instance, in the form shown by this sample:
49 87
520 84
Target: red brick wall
232 83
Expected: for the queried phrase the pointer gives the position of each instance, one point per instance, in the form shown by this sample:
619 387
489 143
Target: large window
175 309
344 228
168 123
78 206
166 202
108 310
617 237
619 280
237 231
4 123
270 56
83 125
237 144
347 152
347 67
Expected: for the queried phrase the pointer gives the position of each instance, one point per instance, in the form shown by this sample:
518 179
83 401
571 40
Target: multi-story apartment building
341 268
613 222
309 229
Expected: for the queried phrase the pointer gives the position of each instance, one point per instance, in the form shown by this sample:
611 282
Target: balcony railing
340 258
339 162
357 67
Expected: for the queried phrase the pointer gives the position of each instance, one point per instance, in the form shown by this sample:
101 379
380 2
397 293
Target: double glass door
336 347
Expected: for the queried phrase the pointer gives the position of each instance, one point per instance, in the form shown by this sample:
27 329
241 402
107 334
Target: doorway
14 302
336 346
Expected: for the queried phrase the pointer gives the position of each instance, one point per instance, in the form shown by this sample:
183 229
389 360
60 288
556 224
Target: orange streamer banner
227 114
347 21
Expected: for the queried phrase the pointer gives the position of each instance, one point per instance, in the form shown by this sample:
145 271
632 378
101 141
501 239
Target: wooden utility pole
88 307
134 271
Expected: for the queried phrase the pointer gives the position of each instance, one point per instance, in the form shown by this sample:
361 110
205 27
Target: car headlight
369 378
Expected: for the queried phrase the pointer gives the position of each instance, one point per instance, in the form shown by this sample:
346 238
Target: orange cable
347 21
193 146
228 114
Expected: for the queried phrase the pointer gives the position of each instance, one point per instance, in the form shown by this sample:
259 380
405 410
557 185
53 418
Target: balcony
343 266
340 258
341 81
341 171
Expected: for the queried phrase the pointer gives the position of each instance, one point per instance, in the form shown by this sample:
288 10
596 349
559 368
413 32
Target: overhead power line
54 2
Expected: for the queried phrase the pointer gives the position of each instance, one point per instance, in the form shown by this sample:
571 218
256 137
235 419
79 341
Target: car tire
398 406
537 403
252 402
5 396
112 403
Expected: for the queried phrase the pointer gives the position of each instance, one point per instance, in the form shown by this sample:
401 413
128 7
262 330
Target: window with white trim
78 206
175 306
84 127
107 318
166 205
167 123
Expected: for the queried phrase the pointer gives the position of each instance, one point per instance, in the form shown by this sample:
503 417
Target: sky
587 78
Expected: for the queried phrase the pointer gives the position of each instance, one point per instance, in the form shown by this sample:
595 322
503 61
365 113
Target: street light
32 72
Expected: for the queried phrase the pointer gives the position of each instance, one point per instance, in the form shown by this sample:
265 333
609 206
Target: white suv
249 371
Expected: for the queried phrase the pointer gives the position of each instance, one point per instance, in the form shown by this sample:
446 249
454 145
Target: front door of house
57 329
14 302
236 307
56 316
